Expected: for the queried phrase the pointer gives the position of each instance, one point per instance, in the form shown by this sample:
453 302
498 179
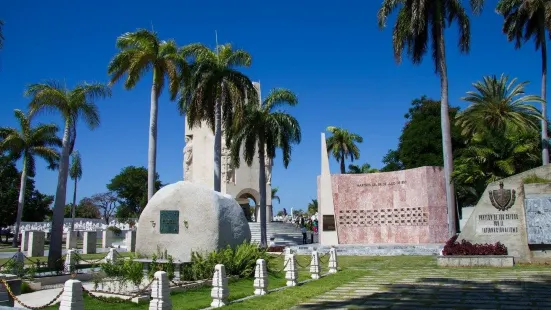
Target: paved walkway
439 288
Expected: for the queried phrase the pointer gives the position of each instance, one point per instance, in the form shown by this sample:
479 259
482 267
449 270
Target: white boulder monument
241 183
186 217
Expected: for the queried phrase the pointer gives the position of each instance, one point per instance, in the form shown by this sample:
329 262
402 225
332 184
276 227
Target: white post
131 241
70 261
71 240
291 271
71 299
315 268
111 256
107 238
286 253
260 283
220 291
36 243
160 292
333 265
24 240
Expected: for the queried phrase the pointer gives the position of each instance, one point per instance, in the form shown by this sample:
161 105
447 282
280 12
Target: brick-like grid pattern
379 217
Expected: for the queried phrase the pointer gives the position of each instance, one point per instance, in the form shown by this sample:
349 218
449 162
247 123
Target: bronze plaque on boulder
169 223
328 223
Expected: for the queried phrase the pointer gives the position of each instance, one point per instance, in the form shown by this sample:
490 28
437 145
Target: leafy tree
130 186
342 144
72 105
37 205
86 208
392 161
313 206
274 194
25 144
417 24
140 52
365 168
264 130
75 172
107 203
498 105
525 20
215 89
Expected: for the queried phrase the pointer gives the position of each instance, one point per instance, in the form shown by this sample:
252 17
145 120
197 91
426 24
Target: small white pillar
333 265
160 292
36 244
111 256
291 273
25 240
70 259
131 241
89 242
220 291
260 283
71 299
71 240
107 238
286 253
315 268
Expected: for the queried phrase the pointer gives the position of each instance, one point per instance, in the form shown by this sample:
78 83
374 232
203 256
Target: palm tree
263 130
313 206
140 52
274 194
75 172
418 23
497 105
525 20
27 143
342 144
72 104
215 93
363 169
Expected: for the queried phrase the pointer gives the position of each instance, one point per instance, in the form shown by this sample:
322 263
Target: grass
531 179
353 267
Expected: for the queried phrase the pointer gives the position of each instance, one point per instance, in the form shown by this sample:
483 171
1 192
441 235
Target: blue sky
331 54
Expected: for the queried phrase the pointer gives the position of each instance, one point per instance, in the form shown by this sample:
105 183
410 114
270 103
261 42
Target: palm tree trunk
544 136
21 201
152 150
218 142
343 168
74 207
446 133
262 189
56 236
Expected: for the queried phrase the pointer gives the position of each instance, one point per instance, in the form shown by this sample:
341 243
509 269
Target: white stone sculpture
315 268
160 292
268 163
188 159
260 278
220 291
291 273
333 265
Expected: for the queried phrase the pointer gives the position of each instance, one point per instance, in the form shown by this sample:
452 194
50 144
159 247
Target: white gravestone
107 238
71 240
89 242
36 244
131 241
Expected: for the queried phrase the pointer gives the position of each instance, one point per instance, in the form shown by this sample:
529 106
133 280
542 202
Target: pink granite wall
407 206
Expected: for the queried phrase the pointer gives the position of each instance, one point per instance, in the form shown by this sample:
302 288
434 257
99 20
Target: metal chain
4 264
79 258
284 266
324 262
117 300
12 295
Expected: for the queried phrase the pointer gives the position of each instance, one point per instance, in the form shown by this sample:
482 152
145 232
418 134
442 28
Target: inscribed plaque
328 223
169 223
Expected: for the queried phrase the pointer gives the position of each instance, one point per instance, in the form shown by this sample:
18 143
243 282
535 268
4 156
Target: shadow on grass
445 293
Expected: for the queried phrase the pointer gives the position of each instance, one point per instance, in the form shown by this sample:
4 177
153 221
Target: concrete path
439 288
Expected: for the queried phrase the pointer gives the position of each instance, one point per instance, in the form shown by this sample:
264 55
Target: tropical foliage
313 206
263 130
525 20
143 51
25 144
365 168
214 89
274 194
342 145
73 105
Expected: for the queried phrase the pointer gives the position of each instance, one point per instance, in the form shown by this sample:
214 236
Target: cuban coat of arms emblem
502 199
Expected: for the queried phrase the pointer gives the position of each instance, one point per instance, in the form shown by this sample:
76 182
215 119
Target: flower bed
467 254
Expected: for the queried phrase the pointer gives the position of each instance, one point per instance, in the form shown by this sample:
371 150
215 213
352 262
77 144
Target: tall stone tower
241 183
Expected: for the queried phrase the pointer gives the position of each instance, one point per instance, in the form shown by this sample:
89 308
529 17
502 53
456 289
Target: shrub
240 262
25 288
464 247
115 230
124 271
533 178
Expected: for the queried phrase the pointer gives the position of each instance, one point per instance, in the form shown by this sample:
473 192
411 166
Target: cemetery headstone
89 242
36 243
71 240
107 238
